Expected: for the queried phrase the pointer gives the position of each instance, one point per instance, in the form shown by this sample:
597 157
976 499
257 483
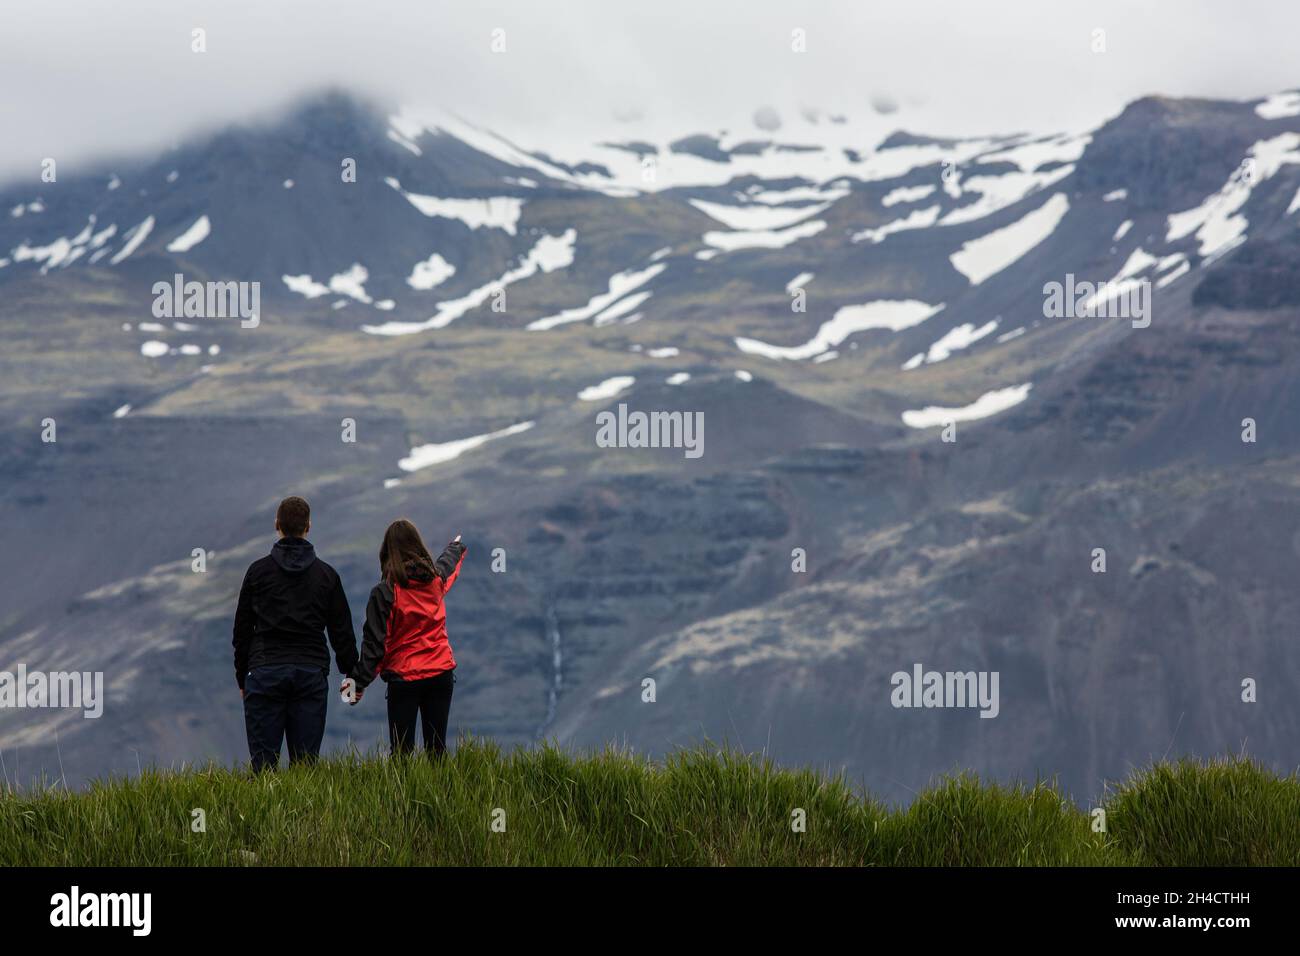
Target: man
281 662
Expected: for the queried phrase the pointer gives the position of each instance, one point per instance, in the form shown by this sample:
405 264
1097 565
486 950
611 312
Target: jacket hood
294 555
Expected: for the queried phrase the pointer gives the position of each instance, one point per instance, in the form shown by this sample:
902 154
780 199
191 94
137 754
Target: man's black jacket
287 600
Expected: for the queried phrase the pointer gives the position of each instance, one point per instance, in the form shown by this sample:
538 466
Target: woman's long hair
403 554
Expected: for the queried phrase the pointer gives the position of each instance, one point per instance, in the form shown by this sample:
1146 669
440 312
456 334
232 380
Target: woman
405 637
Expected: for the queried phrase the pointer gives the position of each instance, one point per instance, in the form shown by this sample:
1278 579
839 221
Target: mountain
825 296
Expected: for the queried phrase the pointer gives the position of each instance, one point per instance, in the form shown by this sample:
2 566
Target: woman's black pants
429 700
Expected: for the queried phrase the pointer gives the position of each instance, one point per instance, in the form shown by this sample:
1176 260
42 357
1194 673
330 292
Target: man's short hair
293 516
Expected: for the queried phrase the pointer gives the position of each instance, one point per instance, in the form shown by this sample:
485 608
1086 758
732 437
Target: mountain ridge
967 554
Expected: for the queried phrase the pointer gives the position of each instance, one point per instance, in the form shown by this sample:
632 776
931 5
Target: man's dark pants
285 701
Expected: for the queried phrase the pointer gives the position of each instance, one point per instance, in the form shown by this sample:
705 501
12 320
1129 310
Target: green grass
700 807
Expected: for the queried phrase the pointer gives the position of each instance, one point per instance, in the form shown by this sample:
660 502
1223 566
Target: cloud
88 79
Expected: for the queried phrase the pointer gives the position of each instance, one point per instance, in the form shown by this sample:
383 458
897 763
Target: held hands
350 692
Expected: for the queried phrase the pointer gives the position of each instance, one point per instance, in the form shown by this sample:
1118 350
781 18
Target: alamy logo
922 688
102 909
75 690
651 430
1115 299
179 299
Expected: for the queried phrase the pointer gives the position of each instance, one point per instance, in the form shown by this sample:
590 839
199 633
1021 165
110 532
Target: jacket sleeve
243 630
374 634
342 637
448 564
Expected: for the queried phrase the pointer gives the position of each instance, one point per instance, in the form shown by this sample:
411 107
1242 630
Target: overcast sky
89 78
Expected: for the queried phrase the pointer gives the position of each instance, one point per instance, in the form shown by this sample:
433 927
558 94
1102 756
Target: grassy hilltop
701 808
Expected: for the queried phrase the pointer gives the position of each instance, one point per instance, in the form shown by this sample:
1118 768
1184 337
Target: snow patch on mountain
192 236
495 212
954 340
1217 222
62 252
892 315
607 389
998 192
760 217
898 161
422 456
1177 263
1139 260
352 283
135 237
602 305
403 142
1122 283
621 308
990 403
798 282
101 237
548 254
916 219
432 272
1061 148
780 197
990 254
1280 105
51 255
762 238
305 286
